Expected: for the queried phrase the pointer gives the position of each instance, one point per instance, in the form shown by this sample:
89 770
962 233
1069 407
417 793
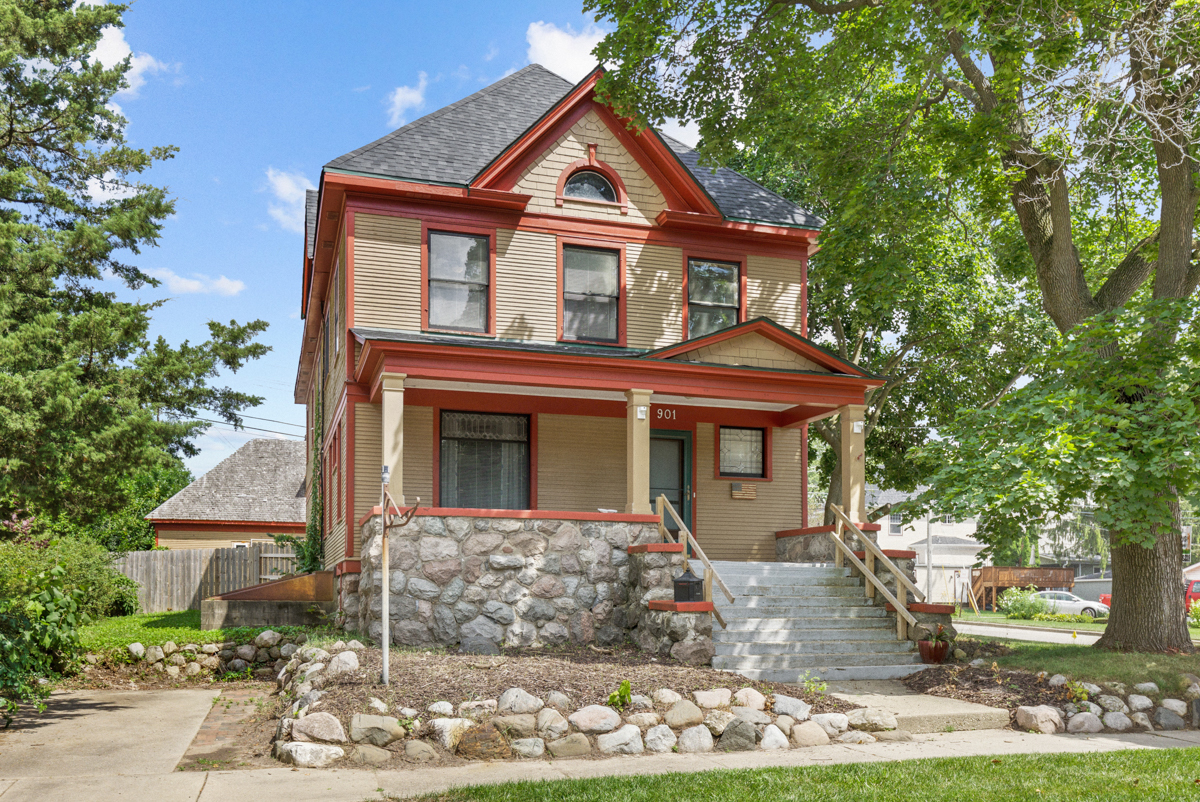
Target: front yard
183 626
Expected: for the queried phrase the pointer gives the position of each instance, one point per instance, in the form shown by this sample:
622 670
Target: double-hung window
714 296
484 461
591 294
459 273
743 452
895 524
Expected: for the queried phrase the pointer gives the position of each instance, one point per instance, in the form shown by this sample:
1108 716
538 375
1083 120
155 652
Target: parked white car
1062 602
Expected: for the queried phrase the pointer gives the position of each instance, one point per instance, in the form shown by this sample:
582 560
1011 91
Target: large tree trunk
1148 613
834 496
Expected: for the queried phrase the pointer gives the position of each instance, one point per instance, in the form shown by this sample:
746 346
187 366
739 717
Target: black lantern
689 587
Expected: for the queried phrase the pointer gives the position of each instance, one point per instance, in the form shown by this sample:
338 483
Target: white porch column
637 452
393 432
854 478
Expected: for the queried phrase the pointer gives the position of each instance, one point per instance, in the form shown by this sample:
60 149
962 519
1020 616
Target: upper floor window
713 296
459 266
589 185
591 294
895 524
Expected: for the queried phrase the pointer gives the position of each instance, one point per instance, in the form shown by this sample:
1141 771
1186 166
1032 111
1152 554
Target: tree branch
830 9
1127 277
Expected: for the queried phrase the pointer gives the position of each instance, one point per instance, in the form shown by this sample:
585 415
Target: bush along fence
180 579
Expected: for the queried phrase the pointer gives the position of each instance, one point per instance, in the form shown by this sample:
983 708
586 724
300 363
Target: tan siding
387 272
730 529
540 179
752 350
773 290
368 456
581 463
526 285
336 529
418 455
207 540
654 289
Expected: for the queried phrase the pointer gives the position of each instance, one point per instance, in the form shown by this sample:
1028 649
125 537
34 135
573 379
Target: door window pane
484 461
742 452
713 296
458 282
591 294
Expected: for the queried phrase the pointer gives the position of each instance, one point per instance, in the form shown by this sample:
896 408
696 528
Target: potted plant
936 647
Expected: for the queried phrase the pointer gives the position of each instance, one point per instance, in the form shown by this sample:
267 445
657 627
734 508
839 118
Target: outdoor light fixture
642 412
689 587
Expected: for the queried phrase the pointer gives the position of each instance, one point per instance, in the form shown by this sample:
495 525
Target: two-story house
530 313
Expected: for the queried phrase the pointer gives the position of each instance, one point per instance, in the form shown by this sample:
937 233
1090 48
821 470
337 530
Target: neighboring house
254 493
528 311
1191 573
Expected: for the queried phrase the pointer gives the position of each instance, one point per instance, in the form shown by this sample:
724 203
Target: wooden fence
179 579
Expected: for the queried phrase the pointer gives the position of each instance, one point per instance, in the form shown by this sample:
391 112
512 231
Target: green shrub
1022 604
87 567
1066 618
1194 615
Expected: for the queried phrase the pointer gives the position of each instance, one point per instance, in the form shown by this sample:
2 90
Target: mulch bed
136 677
987 686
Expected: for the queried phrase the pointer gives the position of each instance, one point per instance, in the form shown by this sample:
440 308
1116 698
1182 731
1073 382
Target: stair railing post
901 623
870 555
837 553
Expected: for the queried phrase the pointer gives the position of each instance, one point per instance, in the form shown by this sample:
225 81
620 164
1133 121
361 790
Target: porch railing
664 506
874 555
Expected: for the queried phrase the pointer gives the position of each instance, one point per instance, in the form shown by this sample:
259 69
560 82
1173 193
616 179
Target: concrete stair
788 619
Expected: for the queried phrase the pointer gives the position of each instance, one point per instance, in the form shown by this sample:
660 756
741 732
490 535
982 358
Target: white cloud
493 51
687 133
288 189
112 48
404 98
198 284
563 50
109 188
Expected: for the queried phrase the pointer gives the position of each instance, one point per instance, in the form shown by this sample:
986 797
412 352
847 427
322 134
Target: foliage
1022 603
310 551
812 684
38 636
86 397
126 529
183 626
1076 692
1194 615
87 567
941 636
621 697
1067 618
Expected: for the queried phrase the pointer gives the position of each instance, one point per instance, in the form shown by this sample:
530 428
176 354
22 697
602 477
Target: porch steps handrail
875 553
688 538
903 617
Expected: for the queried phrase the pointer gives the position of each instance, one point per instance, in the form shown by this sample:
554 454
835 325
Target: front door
671 472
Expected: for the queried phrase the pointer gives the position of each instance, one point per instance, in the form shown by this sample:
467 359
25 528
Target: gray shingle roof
454 144
311 197
261 481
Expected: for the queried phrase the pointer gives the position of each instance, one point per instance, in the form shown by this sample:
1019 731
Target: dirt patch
108 676
995 687
236 733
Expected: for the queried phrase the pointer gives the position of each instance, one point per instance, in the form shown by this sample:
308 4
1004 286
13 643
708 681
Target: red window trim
767 456
437 450
622 295
456 228
592 164
715 256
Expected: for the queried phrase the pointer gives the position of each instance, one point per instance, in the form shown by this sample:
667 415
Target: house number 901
665 414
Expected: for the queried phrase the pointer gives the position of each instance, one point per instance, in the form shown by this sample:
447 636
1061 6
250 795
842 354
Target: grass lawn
1167 774
969 617
1093 665
155 629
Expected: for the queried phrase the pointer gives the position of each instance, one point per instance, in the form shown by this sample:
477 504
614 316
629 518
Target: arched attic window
592 181
589 185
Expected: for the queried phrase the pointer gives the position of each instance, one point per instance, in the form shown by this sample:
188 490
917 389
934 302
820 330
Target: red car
1191 595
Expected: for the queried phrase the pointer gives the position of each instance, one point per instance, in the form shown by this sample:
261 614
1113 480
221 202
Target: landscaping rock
342 663
1193 692
267 638
871 719
1168 719
683 714
643 720
1139 703
136 650
477 709
515 700
377 705
856 737
773 739
1176 706
696 739
1039 718
169 648
791 706
408 712
739 736
1196 714
717 721
718 697
1091 688
834 724
660 739
559 700
573 745
177 660
1056 681
484 742
173 671
748 697
1117 721
522 726
1084 723
244 652
1147 688
641 702
191 669
665 696
211 648
1091 707
625 741
375 730
287 651
154 654
419 751
307 755
695 652
1113 704
893 735
441 709
529 747
448 732
473 644
1142 722
755 717
319 727
595 719
551 725
809 733
367 755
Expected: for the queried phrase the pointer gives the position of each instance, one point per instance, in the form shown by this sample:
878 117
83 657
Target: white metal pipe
385 586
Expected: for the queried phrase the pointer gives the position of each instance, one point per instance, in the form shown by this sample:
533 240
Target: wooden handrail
877 553
903 616
686 536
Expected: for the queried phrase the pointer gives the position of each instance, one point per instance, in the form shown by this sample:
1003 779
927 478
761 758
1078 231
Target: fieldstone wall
814 548
485 582
685 636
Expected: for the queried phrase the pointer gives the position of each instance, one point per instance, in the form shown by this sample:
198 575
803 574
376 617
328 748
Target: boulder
484 742
319 727
643 720
1193 692
177 660
1139 704
521 726
444 709
136 650
1113 704
515 700
1147 688
871 719
154 654
267 638
893 735
1039 718
755 717
641 702
368 755
748 697
169 648
448 732
695 739
559 700
695 652
773 739
307 755
791 706
342 663
173 671
1092 688
717 721
809 733
683 714
665 696
660 739
1168 719
246 652
718 697
528 747
419 751
739 736
1084 723
1056 681
595 719
1176 706
1142 722
551 725
856 737
287 651
375 730
834 724
191 669
1091 707
477 709
573 745
625 741
1117 721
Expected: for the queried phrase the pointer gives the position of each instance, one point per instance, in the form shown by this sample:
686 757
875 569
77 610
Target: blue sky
257 96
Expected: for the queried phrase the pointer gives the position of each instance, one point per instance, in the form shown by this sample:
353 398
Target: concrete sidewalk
1045 635
918 712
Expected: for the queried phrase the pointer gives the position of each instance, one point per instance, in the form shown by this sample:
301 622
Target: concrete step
884 633
809 612
741 581
843 674
804 603
798 625
852 590
755 647
803 661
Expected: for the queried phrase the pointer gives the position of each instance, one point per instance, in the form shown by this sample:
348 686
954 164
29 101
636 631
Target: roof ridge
434 115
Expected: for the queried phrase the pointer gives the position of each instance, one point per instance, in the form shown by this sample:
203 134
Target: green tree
1060 109
86 396
126 528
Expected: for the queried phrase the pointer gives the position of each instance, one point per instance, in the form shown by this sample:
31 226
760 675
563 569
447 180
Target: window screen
458 282
742 452
484 461
713 296
591 294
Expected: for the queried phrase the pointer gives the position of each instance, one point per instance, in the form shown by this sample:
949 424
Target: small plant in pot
935 648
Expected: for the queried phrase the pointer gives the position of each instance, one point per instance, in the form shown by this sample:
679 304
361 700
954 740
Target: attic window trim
592 164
